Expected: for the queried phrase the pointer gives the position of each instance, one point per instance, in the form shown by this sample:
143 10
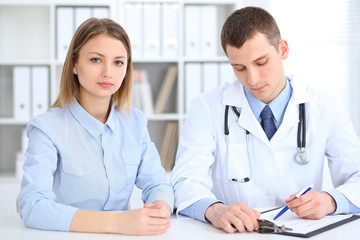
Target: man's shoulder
214 95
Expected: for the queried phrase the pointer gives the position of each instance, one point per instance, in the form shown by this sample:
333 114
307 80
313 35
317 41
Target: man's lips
258 88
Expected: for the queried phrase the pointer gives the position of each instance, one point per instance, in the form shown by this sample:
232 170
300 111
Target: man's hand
234 217
312 205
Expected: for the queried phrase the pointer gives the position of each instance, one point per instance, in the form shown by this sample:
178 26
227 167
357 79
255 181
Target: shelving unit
28 37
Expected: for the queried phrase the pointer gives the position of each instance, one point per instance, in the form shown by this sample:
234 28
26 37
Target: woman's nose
107 71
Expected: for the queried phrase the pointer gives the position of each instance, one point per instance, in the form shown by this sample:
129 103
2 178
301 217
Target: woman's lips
105 84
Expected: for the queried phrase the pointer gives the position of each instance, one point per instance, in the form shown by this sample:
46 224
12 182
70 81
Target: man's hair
244 23
69 83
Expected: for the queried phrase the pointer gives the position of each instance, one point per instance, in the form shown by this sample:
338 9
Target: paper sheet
301 225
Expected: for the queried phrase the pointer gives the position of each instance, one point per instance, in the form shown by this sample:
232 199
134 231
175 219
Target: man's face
258 66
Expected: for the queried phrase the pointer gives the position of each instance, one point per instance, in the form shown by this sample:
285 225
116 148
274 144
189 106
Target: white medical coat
200 170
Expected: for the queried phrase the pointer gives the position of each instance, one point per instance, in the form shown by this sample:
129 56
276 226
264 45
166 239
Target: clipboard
300 225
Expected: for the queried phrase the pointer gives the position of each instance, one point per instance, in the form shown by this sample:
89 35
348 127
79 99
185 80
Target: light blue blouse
76 162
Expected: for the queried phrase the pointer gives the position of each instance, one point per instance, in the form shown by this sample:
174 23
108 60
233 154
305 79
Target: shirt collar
91 124
277 106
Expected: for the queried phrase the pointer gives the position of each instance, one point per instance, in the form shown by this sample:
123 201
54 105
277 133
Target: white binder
135 90
21 93
100 12
226 73
40 90
152 30
64 30
192 31
170 30
210 76
81 14
192 82
208 26
133 26
147 102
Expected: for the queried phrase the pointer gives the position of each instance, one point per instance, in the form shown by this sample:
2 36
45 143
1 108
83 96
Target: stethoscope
301 157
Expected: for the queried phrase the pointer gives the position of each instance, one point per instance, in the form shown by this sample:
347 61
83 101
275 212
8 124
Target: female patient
86 153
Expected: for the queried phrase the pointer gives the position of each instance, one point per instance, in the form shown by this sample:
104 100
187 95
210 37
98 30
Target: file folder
192 31
170 30
152 30
40 90
21 93
226 73
81 14
64 30
208 27
192 82
100 12
133 26
210 76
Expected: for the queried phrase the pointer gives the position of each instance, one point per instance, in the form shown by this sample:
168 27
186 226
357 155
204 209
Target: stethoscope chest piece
302 157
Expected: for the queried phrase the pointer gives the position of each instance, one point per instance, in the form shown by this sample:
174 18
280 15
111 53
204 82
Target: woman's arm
151 220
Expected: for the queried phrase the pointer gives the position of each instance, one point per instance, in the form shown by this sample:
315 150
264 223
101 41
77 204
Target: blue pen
302 192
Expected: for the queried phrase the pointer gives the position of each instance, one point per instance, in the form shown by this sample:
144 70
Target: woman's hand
152 219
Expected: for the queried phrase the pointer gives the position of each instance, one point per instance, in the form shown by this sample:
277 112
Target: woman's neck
99 109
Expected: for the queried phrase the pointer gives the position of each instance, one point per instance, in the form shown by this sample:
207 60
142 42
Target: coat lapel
234 96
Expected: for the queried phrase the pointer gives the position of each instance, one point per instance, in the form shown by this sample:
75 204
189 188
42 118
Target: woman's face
101 67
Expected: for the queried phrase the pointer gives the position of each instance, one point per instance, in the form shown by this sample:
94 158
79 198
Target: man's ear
284 49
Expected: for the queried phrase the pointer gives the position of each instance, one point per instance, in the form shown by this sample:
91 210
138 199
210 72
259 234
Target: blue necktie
267 122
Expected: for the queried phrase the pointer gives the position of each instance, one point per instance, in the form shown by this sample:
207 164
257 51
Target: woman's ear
284 49
74 70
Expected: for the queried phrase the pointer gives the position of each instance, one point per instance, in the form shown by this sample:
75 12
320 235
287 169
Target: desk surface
12 227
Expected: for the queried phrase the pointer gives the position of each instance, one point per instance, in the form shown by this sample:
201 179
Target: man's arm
197 209
343 204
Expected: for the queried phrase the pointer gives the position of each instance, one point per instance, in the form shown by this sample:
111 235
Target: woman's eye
95 60
119 63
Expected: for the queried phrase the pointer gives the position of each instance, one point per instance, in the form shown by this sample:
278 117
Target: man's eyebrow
259 58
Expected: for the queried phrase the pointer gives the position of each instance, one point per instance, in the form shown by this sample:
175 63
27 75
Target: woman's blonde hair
69 84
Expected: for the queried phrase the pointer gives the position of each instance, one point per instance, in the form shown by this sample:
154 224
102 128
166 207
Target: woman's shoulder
132 117
53 116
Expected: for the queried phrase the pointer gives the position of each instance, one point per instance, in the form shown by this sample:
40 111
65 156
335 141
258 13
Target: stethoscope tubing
301 137
301 140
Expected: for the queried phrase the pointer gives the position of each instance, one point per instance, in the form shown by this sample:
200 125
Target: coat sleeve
343 153
191 176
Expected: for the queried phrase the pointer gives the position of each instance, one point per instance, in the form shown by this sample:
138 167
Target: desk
12 227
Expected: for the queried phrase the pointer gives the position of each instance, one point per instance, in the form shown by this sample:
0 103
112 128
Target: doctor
234 159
